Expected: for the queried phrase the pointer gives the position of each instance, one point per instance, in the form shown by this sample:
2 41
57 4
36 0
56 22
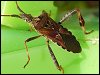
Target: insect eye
40 17
46 25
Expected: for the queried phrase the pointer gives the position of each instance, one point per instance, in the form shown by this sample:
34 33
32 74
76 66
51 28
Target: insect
52 30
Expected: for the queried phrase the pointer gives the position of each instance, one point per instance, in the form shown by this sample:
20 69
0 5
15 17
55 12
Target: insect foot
61 69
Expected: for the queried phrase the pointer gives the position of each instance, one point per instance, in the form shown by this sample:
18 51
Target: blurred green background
15 31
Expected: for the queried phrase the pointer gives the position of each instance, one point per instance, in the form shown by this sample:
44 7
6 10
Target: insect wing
71 43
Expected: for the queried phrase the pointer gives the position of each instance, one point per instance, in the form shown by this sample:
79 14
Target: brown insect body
54 31
48 28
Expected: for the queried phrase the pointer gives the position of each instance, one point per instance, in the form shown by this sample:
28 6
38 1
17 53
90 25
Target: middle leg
28 40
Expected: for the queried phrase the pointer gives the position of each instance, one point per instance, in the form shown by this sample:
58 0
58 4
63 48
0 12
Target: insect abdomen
71 43
68 41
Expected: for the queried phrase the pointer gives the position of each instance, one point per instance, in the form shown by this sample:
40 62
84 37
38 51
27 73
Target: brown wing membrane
71 43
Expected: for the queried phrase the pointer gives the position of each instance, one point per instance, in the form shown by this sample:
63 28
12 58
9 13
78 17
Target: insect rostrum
52 30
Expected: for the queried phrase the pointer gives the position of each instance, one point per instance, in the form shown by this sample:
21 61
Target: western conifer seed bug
52 30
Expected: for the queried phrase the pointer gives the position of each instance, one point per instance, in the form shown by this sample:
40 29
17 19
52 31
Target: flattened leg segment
81 20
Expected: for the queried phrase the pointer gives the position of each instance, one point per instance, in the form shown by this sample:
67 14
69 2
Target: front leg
54 58
28 40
